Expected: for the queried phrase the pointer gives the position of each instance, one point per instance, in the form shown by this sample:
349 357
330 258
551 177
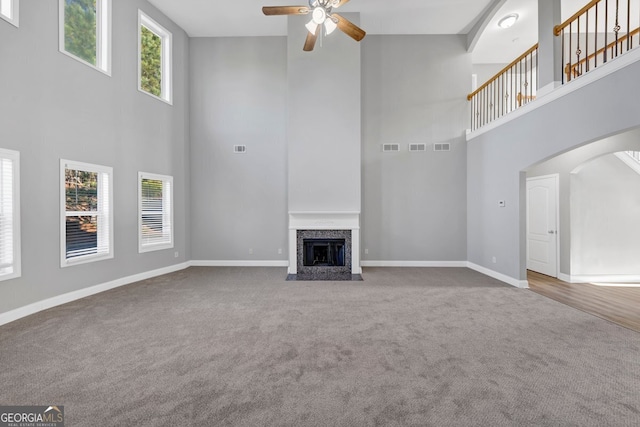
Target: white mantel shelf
341 220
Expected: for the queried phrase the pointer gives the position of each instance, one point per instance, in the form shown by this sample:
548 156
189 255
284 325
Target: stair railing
598 32
511 88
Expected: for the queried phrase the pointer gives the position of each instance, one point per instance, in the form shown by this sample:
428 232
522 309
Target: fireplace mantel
343 220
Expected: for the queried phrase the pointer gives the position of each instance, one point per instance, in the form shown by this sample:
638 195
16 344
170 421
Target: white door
542 224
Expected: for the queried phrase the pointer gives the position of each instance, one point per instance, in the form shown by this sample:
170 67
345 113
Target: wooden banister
558 28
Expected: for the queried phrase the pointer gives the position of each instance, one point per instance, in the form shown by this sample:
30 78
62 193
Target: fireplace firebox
324 252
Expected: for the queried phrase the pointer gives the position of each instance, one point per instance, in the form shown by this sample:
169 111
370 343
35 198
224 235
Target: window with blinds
9 214
155 206
87 213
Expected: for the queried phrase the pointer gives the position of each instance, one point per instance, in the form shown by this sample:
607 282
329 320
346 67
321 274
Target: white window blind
155 201
9 214
87 228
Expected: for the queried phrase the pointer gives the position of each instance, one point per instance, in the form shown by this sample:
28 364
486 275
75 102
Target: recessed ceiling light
508 20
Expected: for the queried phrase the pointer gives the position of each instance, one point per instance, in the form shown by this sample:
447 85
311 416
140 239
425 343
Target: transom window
155 205
9 11
9 214
86 232
85 32
154 58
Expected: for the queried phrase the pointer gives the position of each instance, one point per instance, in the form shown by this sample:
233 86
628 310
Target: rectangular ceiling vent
388 148
240 149
417 147
442 147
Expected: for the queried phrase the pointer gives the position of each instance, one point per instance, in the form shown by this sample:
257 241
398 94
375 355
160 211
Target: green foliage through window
80 29
150 61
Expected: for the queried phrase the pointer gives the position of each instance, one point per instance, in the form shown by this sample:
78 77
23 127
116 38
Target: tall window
9 214
9 11
155 206
86 232
154 58
85 32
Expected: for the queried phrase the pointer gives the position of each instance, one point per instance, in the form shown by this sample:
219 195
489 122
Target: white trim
36 307
611 278
103 37
166 94
87 167
165 179
14 156
238 263
629 161
414 263
14 19
594 75
522 284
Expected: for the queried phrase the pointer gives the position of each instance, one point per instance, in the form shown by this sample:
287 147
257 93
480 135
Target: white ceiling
218 18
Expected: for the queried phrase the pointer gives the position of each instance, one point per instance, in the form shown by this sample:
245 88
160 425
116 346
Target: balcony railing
600 31
507 91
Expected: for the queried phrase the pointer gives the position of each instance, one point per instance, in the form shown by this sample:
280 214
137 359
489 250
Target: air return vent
417 147
240 149
442 147
390 147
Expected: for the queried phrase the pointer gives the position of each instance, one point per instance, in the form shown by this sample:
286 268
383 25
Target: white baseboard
36 307
604 278
238 263
413 263
523 284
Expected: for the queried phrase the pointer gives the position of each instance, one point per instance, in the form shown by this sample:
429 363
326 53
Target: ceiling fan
321 15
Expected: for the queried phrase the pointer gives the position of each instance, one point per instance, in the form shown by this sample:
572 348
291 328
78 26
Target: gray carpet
244 347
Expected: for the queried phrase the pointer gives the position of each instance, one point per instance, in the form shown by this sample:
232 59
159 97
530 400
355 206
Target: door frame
556 179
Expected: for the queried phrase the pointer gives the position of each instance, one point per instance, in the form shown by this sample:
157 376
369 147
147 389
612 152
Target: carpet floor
244 347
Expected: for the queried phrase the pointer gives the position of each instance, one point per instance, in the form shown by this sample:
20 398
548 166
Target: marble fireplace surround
324 221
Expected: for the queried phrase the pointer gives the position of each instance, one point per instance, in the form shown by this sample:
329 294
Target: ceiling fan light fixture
319 15
311 26
329 25
508 21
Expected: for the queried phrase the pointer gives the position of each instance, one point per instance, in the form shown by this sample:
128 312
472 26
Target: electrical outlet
494 260
250 251
366 251
279 250
176 254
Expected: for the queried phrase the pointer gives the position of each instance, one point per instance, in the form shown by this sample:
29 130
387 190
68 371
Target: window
154 58
85 32
9 11
155 206
86 232
9 214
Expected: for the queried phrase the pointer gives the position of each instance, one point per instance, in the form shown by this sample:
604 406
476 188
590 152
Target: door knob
552 232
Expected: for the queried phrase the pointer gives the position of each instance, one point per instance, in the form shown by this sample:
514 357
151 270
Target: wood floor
620 305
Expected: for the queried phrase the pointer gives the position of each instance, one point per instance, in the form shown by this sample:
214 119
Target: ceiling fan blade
340 3
348 27
310 42
285 10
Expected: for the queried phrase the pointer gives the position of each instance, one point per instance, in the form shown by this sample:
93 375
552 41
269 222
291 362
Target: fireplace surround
325 228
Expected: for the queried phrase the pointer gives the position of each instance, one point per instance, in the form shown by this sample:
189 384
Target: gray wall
238 97
563 165
605 207
323 124
496 161
414 91
53 107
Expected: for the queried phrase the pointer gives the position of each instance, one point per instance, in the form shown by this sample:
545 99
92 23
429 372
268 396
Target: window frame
103 36
14 156
14 19
166 90
156 246
108 212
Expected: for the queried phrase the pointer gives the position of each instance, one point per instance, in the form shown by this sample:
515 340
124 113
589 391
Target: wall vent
241 149
390 147
417 147
442 147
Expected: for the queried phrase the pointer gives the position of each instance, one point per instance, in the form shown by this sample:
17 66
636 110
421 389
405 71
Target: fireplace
324 246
